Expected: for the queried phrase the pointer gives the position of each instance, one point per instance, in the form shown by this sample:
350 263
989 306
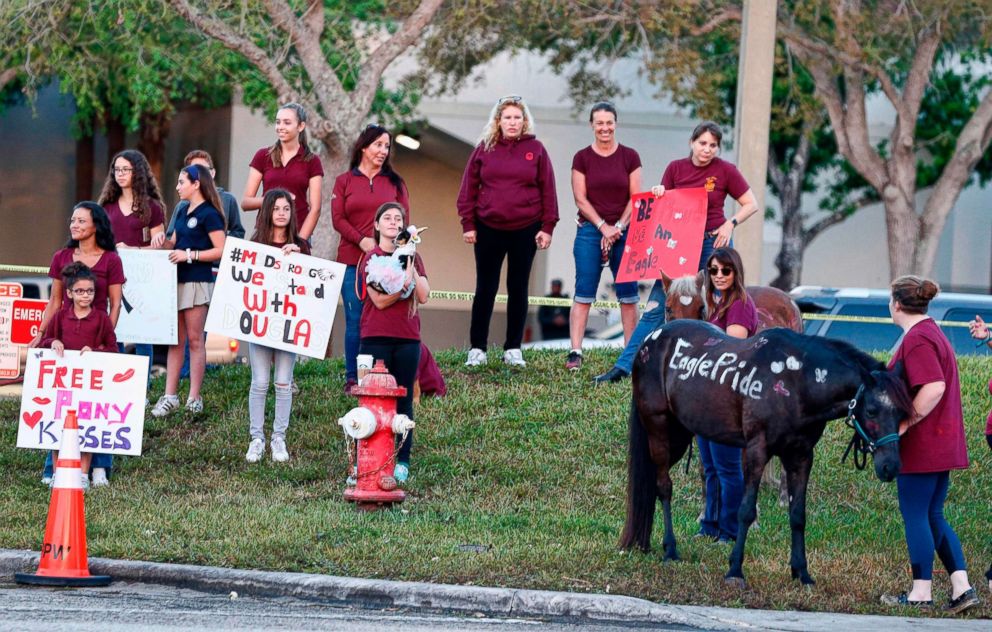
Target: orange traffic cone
63 552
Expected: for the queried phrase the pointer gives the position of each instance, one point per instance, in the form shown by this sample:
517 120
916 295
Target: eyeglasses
123 170
88 292
724 270
510 98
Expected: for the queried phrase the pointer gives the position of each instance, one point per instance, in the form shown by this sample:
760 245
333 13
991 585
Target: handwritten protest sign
665 235
267 298
148 309
107 391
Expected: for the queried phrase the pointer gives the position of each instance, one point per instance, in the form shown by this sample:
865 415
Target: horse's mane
684 286
849 352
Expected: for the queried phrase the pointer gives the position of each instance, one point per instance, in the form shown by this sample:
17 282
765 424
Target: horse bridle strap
861 443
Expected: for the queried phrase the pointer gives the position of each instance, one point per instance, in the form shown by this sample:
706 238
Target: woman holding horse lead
729 308
931 444
702 169
604 177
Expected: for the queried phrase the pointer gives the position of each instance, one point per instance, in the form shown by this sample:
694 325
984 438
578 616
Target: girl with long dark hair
133 202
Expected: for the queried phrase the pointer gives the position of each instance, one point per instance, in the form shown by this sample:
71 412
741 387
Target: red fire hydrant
375 424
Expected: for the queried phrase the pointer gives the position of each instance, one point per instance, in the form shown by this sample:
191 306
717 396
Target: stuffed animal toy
387 274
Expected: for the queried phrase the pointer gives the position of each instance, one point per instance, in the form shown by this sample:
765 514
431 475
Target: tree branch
6 77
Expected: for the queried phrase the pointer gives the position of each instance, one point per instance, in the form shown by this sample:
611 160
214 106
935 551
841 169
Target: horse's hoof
735 582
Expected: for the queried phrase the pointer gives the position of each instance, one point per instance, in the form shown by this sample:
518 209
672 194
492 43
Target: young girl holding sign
198 240
275 226
80 328
390 323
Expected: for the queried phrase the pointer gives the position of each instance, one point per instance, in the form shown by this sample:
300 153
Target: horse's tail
642 486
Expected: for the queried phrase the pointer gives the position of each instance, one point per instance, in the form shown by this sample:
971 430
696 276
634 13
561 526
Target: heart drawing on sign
32 419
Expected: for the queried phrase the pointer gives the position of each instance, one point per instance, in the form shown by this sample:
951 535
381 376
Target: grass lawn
518 480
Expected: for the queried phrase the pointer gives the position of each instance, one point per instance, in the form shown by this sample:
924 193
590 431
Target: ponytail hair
208 189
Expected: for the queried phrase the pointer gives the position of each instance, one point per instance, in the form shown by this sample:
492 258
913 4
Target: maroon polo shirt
293 176
395 321
936 443
741 313
129 229
607 179
93 330
356 199
108 271
719 178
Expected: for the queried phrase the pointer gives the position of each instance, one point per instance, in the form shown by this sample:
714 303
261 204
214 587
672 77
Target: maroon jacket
353 207
509 187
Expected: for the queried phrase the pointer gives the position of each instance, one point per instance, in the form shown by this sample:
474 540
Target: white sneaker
513 357
166 405
476 357
85 481
255 450
100 477
194 406
279 454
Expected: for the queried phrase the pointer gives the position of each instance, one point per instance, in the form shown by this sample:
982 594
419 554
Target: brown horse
684 299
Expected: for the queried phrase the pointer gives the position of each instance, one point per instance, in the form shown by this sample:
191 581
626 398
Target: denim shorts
589 268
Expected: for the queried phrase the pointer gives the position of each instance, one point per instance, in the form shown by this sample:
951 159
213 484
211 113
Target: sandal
904 600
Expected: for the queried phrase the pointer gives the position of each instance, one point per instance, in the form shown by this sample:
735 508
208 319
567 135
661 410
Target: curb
378 594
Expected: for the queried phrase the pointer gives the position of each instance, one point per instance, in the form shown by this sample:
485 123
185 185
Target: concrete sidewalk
498 602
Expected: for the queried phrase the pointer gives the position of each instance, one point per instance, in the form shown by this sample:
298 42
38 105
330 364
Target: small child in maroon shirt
80 328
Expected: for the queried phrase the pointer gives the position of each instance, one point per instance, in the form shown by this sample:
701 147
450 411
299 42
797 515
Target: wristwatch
733 220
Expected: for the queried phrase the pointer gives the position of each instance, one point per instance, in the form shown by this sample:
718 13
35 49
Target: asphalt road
130 607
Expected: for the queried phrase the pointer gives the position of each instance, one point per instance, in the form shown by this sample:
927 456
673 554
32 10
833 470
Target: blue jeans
724 488
588 266
655 317
106 461
352 323
921 502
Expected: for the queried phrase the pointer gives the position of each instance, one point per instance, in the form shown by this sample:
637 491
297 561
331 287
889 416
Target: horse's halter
861 443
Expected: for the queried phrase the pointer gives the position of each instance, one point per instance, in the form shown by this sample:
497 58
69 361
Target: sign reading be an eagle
281 301
665 235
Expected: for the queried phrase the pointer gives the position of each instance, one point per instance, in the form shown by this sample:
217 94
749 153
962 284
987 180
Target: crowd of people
508 209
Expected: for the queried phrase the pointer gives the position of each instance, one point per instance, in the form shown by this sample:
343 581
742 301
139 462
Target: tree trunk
84 167
903 229
116 139
789 260
325 238
152 134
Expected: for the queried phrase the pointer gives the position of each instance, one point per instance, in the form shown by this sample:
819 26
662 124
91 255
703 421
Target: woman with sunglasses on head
604 177
702 169
91 242
369 183
729 308
931 444
288 164
197 241
508 209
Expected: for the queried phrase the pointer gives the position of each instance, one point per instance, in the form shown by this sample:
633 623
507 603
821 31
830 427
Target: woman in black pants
508 209
390 323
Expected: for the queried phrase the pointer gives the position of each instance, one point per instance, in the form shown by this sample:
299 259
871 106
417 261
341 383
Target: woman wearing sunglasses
729 308
702 169
359 192
508 209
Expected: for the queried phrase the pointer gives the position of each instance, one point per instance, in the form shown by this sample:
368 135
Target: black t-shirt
193 231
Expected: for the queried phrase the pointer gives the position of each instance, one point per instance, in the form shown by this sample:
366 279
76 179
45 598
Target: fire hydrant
375 424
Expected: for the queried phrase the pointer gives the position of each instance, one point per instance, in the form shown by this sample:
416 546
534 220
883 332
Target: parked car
606 338
947 306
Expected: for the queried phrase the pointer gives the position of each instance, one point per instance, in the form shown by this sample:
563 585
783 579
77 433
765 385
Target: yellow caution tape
567 302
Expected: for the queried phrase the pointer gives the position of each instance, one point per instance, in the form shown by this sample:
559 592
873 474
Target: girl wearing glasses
702 169
81 328
198 240
133 202
729 308
288 164
508 209
91 243
369 183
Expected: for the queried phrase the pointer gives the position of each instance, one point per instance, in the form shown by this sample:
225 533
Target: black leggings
491 247
402 357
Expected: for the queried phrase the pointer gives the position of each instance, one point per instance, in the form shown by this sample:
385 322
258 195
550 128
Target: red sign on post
26 320
665 235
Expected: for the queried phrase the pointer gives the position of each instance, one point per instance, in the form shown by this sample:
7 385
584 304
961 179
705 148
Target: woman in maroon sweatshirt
508 209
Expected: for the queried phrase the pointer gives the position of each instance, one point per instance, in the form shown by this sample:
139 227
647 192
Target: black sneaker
965 600
612 376
574 362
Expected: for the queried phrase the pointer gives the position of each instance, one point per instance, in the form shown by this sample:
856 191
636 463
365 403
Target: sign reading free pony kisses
665 235
281 301
107 391
148 310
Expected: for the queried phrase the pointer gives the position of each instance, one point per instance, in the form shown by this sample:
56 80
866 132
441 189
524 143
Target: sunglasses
510 98
724 270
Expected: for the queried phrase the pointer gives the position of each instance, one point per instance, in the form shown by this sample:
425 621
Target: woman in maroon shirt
133 202
369 183
391 322
288 164
931 444
508 209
